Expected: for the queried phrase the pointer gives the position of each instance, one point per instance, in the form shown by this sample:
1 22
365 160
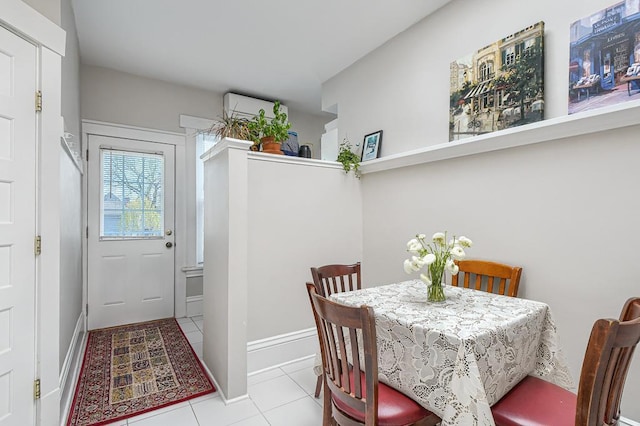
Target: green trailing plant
261 127
348 158
231 126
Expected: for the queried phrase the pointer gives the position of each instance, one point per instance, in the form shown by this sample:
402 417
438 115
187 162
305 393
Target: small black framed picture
371 146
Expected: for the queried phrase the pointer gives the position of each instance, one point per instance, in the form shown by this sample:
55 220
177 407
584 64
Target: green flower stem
435 293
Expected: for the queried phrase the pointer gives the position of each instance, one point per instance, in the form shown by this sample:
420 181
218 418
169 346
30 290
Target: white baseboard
628 422
277 350
194 305
219 391
71 368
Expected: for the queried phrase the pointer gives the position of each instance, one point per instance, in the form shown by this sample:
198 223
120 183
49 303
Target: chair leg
318 386
327 408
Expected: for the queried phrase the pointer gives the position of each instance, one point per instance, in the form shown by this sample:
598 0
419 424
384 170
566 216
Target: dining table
458 357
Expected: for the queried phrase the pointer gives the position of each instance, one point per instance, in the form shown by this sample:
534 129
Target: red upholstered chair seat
536 402
394 408
604 370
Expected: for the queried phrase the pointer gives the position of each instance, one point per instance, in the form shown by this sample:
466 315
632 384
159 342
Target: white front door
17 228
131 231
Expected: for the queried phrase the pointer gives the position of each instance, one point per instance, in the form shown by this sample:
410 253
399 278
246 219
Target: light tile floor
281 396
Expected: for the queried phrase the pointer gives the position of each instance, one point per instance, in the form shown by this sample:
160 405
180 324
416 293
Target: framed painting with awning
498 86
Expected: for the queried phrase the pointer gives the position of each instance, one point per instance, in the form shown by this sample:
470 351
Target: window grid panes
132 194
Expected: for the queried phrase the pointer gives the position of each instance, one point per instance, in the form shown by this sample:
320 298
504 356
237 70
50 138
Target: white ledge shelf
288 159
602 119
228 143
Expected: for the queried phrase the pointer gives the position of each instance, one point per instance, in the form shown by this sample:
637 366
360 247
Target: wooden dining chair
488 276
353 395
330 279
534 401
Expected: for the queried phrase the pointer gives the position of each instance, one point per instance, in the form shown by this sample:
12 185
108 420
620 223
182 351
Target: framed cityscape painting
604 57
498 86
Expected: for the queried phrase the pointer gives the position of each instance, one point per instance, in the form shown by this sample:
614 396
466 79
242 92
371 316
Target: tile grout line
262 413
194 413
307 395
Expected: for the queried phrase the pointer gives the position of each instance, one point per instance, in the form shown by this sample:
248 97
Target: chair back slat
355 357
344 363
332 364
331 279
605 367
343 358
486 275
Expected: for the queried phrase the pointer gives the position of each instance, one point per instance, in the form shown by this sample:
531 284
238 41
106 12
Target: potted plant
349 159
231 126
270 133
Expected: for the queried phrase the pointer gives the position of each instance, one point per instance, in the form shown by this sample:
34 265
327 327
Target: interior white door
130 237
17 228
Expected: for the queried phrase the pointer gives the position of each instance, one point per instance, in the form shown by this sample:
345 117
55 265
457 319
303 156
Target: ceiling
270 49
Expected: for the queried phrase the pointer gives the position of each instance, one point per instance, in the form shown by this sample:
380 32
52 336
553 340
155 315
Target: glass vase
435 293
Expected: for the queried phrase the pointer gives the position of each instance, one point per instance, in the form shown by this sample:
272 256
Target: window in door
132 194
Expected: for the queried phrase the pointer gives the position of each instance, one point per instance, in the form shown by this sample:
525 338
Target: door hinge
36 389
38 101
38 245
86 307
87 155
87 232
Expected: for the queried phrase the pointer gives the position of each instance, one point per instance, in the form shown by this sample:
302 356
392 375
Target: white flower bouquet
437 256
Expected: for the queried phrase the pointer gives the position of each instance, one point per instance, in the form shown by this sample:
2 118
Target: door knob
169 244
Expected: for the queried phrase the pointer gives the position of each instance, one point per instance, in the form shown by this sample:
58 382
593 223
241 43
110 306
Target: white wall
301 216
216 345
194 286
70 72
309 128
70 191
70 251
403 86
118 97
268 219
48 8
564 210
225 267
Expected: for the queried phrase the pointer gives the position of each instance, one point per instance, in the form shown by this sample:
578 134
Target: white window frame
193 127
204 142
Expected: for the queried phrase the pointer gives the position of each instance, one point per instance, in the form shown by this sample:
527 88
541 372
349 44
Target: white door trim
35 26
50 39
99 128
48 211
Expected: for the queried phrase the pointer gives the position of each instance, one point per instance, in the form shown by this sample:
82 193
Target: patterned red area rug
133 369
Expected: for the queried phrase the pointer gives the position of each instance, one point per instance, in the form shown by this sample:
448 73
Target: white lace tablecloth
459 357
